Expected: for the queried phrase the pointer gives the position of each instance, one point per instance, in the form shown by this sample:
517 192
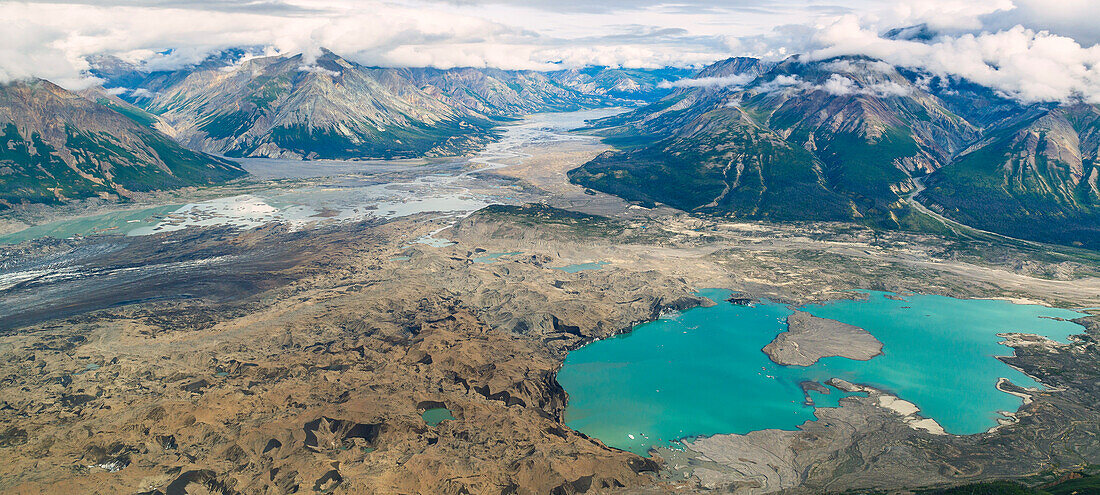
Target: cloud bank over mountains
1020 62
1030 50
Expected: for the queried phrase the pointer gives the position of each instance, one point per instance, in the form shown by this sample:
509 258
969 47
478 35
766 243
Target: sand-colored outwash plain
302 360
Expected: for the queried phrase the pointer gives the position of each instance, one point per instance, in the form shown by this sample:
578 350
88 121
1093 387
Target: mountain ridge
56 145
872 130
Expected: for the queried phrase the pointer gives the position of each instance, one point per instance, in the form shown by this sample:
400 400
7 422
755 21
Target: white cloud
888 88
1029 50
735 80
784 83
43 38
1072 18
315 69
954 15
1020 63
51 41
839 85
859 66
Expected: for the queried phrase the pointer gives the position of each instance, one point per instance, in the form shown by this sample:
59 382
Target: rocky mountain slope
724 163
56 145
290 108
852 139
1036 179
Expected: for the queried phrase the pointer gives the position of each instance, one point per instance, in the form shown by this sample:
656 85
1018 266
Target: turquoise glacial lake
580 267
702 372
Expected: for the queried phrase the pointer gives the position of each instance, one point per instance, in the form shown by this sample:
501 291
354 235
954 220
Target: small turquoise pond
438 415
579 267
494 257
702 372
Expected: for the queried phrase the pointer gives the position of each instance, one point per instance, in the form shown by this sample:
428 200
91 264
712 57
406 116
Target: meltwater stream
335 191
702 372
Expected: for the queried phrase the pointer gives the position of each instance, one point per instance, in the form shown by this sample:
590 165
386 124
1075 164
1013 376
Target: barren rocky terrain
276 361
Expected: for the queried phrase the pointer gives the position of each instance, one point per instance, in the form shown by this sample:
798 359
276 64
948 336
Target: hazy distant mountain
507 93
57 145
851 139
286 106
919 32
633 85
500 93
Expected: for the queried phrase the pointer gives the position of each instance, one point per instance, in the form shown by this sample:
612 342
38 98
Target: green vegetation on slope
444 138
131 112
31 171
88 149
731 166
991 488
853 154
1011 186
1079 484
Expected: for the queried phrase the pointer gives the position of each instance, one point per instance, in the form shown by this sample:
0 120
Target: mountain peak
734 66
918 32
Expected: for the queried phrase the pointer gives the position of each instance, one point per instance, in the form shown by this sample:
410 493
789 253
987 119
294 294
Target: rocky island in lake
809 338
